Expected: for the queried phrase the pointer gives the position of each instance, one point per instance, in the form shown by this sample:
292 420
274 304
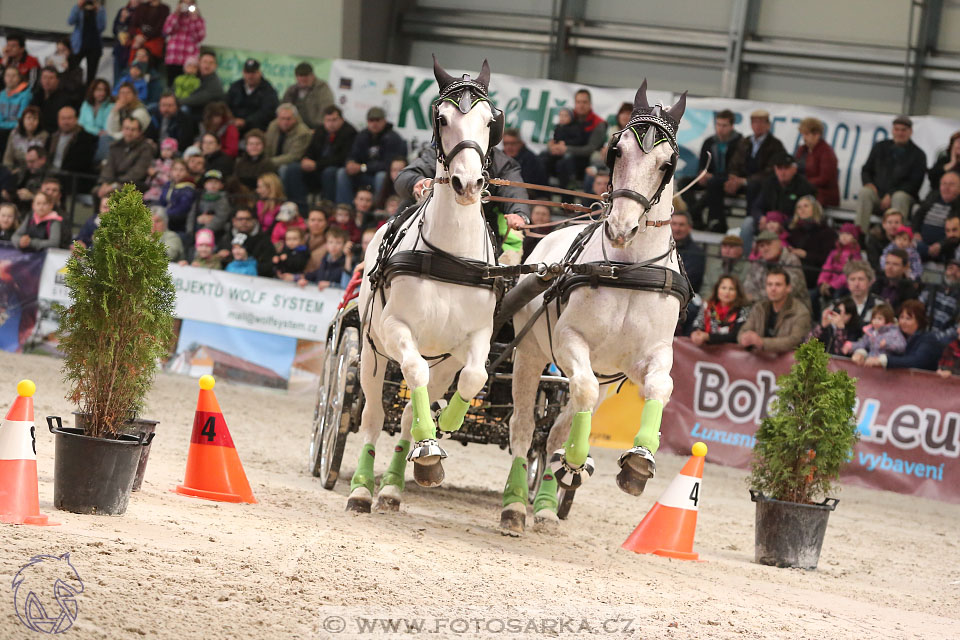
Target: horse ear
676 111
640 100
443 78
484 77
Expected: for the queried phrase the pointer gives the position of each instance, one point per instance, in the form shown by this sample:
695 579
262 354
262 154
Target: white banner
219 297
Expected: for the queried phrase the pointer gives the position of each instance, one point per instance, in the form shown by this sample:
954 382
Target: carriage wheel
536 463
320 408
565 498
343 394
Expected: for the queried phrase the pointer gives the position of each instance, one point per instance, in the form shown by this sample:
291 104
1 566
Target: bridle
465 94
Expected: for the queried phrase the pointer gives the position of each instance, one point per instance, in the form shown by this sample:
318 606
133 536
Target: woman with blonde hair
810 238
818 162
270 196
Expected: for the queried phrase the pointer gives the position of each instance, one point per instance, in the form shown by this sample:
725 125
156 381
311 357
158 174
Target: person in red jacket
818 161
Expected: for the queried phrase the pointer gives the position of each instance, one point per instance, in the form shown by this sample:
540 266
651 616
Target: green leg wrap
423 427
398 463
546 497
649 434
363 476
451 418
577 446
516 489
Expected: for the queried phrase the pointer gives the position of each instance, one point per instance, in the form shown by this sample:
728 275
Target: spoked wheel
320 408
343 394
536 463
565 501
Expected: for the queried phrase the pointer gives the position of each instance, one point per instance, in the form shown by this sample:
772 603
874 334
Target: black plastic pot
133 428
790 534
94 475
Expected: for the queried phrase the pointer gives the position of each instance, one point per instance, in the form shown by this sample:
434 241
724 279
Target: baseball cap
732 241
213 174
239 238
904 120
376 113
904 229
205 237
251 65
766 236
784 159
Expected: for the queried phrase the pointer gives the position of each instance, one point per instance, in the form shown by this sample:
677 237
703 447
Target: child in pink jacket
831 277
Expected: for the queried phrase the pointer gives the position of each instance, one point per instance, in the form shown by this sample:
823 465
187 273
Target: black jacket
531 168
181 128
259 247
694 260
895 293
891 170
376 151
50 107
78 157
783 197
710 147
331 153
258 108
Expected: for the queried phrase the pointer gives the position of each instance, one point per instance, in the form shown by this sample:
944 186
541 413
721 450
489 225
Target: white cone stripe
16 443
683 493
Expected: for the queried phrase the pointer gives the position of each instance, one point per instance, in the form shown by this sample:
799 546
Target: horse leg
426 453
527 367
572 464
638 465
371 424
545 502
471 381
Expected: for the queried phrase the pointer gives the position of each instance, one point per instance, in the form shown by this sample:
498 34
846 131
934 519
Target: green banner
278 69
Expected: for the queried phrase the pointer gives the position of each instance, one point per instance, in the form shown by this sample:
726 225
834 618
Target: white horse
414 318
605 330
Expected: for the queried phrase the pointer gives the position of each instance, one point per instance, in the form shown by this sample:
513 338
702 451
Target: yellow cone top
207 382
26 388
700 449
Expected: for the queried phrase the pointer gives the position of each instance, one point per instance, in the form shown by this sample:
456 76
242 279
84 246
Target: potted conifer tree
118 324
799 452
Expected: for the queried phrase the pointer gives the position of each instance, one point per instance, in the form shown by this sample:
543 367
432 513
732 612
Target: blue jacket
377 151
246 267
76 18
11 107
178 199
922 352
140 86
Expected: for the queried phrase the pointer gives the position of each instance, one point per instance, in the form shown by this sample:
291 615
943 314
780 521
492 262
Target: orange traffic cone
19 502
669 527
214 470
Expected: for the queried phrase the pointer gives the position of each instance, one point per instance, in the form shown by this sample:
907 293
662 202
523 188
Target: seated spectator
127 105
316 237
922 350
531 168
287 218
880 239
15 55
294 255
136 78
832 280
168 121
389 190
731 258
189 81
211 89
598 159
363 216
252 99
567 162
71 148
772 254
287 139
51 187
811 240
67 67
41 230
151 75
29 180
720 319
892 175
184 29
204 255
8 223
369 156
179 197
252 162
49 98
781 191
214 157
171 240
85 236
693 254
950 246
818 162
838 324
778 323
158 175
242 263
129 159
942 302
751 165
219 120
539 215
327 152
903 240
716 155
211 210
14 99
94 112
310 95
930 218
880 337
27 134
196 163
270 196
246 230
860 278
894 285
949 364
774 222
334 264
948 160
343 218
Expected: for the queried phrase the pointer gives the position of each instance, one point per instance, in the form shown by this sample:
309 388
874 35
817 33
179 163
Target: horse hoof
428 474
568 476
636 467
546 521
388 500
513 519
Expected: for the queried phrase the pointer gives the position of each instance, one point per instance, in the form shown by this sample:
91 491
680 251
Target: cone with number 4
669 527
214 470
19 499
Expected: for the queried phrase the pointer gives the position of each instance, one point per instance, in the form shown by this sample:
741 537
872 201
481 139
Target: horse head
45 593
642 159
466 126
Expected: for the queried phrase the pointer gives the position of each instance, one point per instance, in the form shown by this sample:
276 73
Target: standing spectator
127 105
41 230
184 29
369 157
838 323
14 100
219 120
247 231
720 319
942 303
27 135
123 39
892 175
326 153
930 218
570 161
215 158
778 323
129 159
922 351
818 162
530 166
211 89
310 95
894 285
287 139
811 239
693 254
171 241
15 55
773 256
88 19
752 162
71 148
168 121
252 99
949 364
832 280
94 113
253 162
948 160
146 27
49 98
716 155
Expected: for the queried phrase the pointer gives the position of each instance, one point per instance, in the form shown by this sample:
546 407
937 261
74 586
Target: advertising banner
278 69
19 283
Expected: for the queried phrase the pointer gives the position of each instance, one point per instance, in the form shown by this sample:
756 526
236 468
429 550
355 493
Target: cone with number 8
213 470
669 527
19 499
